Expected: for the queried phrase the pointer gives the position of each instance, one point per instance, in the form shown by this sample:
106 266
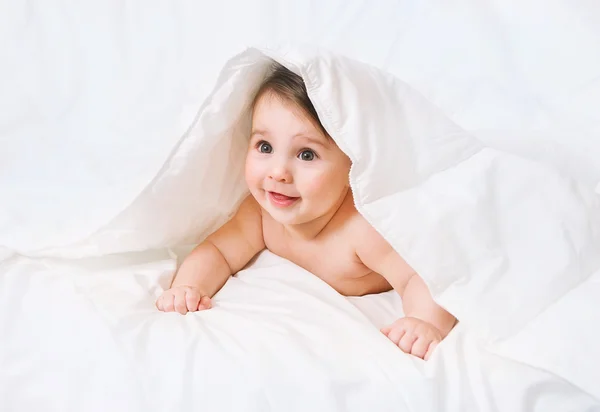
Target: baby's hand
183 299
413 336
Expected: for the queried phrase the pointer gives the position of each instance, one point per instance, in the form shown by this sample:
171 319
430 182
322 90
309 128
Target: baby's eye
307 155
265 147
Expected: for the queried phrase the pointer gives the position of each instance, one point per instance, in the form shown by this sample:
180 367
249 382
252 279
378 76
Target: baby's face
293 170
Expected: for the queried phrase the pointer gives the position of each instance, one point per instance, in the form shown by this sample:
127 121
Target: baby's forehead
270 103
302 136
303 126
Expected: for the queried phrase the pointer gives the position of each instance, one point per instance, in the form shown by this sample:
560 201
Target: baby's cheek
323 186
251 172
314 183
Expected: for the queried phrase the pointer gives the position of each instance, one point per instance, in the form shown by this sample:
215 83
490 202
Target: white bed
84 336
95 100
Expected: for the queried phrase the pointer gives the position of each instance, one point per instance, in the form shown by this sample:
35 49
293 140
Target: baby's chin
287 216
293 218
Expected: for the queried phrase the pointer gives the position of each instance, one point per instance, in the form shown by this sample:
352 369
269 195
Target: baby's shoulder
360 229
365 238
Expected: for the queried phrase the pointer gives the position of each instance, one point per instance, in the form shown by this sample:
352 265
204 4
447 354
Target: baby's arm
418 303
425 323
204 272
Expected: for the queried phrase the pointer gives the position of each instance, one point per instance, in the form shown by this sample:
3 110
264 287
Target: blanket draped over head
496 237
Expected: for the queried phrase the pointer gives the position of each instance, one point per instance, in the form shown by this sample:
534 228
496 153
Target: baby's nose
281 173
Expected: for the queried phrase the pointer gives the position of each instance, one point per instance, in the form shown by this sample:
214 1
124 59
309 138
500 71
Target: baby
301 208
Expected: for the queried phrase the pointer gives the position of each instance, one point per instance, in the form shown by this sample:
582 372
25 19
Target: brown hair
290 87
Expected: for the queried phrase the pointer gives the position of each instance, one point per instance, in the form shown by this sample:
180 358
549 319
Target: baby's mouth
281 200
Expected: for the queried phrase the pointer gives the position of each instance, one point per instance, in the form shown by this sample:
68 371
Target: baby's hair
290 87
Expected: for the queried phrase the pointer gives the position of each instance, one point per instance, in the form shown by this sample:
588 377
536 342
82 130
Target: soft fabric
86 127
110 117
84 335
102 151
496 237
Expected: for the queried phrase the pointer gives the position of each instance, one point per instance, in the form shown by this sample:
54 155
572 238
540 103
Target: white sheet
477 224
84 335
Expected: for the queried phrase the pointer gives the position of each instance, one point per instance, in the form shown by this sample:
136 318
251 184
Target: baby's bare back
331 255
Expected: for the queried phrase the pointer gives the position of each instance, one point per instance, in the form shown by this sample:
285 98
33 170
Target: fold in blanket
496 237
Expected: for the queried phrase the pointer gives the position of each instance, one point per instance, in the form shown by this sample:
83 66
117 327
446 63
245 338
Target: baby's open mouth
281 200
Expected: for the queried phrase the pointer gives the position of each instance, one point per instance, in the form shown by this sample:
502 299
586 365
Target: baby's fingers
407 341
192 300
167 302
430 350
205 303
420 347
396 334
179 302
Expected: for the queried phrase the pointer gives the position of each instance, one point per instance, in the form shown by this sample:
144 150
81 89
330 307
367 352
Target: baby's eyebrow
310 138
257 131
302 135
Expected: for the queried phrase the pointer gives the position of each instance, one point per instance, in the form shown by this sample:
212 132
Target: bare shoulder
242 237
377 254
249 208
369 244
248 220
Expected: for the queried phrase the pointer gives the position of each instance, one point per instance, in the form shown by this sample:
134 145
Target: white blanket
127 82
147 161
85 336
